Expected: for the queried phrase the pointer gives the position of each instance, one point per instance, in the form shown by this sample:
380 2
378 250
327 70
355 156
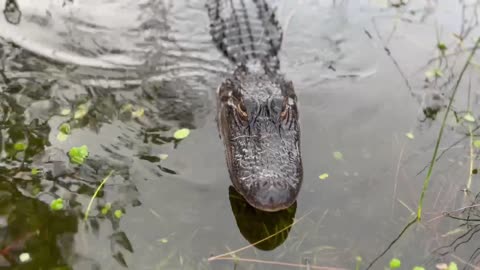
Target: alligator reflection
256 225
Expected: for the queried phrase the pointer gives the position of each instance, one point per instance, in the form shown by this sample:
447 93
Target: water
114 58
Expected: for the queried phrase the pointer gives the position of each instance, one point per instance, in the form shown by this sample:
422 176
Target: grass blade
95 194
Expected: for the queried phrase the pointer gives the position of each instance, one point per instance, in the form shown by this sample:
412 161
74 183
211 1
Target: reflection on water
125 75
256 225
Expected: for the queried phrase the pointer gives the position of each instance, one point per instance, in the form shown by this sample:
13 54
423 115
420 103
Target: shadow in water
256 225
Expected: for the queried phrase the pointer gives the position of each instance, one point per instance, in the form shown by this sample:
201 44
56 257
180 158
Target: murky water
125 75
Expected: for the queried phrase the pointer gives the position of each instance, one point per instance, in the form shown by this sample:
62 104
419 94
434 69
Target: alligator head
258 121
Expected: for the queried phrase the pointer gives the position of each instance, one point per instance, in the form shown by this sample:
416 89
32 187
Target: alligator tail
245 30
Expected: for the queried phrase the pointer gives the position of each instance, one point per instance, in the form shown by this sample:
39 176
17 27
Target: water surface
362 73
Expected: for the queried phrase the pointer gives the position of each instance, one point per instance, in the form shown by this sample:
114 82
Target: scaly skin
257 112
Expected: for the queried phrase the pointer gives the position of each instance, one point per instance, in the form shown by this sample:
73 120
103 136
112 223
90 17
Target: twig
448 148
453 211
396 176
397 66
309 266
413 221
463 261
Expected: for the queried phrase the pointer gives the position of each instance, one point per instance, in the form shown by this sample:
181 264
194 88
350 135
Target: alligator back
245 31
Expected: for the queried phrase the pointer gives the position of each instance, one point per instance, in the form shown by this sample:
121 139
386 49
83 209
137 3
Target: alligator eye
242 110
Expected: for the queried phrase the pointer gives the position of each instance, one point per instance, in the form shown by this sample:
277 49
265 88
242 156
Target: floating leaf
469 117
138 113
452 266
118 213
323 176
395 263
410 135
126 108
418 268
35 171
181 133
434 73
65 128
24 257
163 240
163 156
65 112
81 111
106 208
338 155
62 136
476 143
78 154
56 204
441 266
442 47
19 146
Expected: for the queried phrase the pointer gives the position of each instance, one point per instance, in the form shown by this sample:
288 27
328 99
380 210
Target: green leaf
163 156
434 73
476 143
441 46
163 240
358 259
338 155
181 133
452 266
138 113
410 135
106 208
65 112
118 213
65 128
62 136
126 108
35 171
323 176
56 204
438 73
469 117
20 146
395 263
418 268
81 111
78 154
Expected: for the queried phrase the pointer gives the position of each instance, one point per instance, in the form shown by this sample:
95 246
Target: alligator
257 114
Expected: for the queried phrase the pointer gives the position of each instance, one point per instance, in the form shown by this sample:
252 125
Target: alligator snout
271 195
